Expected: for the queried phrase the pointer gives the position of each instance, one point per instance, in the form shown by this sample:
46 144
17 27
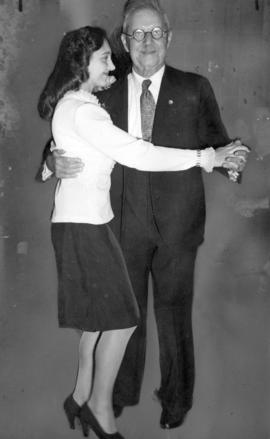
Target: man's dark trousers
159 221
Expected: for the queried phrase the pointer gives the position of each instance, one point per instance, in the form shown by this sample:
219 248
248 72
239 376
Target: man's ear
169 38
124 41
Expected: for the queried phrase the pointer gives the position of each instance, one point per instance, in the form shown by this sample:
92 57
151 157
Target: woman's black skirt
94 290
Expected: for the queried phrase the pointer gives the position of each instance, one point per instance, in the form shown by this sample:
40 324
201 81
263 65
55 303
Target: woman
95 294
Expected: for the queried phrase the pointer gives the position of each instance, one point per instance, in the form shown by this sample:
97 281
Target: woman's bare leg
108 358
83 385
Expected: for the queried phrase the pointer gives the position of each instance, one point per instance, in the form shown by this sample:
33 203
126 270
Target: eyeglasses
139 34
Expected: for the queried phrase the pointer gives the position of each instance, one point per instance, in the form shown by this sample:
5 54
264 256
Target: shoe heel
85 428
72 410
71 420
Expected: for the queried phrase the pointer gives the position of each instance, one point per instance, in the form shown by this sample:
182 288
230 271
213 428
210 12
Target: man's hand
236 163
233 175
226 156
66 167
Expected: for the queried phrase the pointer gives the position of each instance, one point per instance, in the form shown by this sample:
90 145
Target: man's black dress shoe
167 423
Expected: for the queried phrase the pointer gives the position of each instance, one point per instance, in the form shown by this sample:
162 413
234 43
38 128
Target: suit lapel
168 122
166 104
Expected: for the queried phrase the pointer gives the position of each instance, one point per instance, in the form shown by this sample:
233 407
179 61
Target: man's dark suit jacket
187 116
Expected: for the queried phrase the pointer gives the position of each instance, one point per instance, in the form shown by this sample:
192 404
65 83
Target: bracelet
199 156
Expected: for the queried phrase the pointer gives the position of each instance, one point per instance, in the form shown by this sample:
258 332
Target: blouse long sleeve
94 125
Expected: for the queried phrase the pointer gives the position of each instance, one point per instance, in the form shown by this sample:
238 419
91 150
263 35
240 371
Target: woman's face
100 66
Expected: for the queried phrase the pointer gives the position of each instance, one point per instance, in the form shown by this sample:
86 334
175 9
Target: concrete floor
231 325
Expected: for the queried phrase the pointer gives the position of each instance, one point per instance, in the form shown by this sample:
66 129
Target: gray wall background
228 41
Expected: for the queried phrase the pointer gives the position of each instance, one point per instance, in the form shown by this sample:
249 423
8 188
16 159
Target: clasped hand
233 157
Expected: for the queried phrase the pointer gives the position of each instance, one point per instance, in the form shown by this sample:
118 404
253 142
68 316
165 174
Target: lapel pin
170 101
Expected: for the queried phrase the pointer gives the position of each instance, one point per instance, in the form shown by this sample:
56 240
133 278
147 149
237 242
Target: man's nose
148 38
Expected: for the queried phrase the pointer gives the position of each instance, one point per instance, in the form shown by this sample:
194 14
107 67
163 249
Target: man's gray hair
132 6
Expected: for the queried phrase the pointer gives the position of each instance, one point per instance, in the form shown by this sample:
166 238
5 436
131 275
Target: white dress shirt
84 129
134 94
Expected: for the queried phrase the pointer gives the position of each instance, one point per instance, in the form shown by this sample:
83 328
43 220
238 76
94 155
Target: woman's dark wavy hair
71 67
121 58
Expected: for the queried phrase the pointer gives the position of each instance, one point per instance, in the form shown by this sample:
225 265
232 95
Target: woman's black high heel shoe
72 410
88 420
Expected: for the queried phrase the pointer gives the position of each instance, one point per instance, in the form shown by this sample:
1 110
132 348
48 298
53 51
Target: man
159 217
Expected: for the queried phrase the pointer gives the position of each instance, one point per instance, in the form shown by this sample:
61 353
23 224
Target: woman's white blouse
84 129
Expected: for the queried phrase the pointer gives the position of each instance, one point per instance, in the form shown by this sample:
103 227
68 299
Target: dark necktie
147 110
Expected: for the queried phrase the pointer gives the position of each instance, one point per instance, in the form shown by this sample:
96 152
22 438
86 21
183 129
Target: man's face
147 56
